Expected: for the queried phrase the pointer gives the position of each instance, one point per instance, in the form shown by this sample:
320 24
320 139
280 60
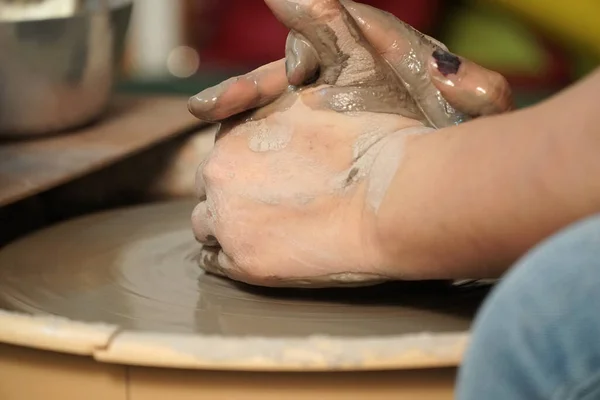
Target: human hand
291 190
442 82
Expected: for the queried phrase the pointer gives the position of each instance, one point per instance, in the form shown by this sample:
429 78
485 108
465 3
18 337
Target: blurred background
56 75
183 46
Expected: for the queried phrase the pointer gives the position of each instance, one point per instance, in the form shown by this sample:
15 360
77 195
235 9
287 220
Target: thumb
468 86
327 27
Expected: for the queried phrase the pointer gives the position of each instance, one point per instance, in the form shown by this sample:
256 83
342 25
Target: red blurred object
244 33
556 74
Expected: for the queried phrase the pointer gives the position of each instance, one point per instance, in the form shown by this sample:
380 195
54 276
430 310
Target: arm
479 195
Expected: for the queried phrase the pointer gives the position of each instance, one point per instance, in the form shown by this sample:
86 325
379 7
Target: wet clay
134 269
352 77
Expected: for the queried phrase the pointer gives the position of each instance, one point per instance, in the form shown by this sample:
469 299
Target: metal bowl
57 73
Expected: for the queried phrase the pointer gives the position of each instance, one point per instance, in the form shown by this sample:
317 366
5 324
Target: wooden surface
27 374
133 124
160 384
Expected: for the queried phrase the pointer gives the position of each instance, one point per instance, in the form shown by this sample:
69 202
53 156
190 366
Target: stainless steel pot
58 64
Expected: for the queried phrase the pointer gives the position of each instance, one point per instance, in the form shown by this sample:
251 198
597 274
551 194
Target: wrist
460 205
421 231
468 201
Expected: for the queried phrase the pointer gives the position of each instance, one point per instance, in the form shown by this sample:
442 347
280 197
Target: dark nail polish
447 63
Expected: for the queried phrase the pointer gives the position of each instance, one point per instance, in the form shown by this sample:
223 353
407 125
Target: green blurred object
496 40
583 64
574 24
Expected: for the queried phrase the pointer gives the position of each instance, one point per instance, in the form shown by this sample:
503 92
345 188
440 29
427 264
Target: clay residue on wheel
140 277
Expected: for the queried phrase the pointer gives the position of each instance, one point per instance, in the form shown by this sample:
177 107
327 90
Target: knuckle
252 262
256 274
499 92
497 82
321 9
213 171
199 177
209 173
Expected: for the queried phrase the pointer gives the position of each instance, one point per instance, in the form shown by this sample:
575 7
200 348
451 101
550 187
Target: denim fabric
538 334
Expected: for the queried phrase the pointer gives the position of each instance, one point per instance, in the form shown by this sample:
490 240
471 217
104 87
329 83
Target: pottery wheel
135 268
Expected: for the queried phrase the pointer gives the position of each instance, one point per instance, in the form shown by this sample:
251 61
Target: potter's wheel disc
134 268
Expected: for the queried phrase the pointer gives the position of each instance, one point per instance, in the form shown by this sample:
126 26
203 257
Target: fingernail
447 63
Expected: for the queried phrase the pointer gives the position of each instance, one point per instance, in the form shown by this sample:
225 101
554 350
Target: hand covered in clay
309 145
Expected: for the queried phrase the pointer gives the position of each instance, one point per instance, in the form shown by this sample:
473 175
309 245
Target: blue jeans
538 334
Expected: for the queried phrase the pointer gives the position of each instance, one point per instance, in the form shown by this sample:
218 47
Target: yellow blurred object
576 23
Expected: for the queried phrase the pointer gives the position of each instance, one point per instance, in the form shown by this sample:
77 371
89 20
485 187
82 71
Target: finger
208 260
215 261
200 183
311 19
468 86
345 58
407 51
241 93
301 60
203 225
